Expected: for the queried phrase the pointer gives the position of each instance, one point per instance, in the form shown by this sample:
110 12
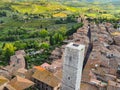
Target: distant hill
18 0
116 2
89 1
101 1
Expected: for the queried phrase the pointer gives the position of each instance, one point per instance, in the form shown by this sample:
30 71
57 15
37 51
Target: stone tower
72 66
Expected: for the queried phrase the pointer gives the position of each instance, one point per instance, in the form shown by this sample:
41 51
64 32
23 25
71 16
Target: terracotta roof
57 63
9 87
45 65
5 73
118 80
112 83
58 74
87 86
3 80
57 52
20 83
39 68
29 74
46 77
97 82
22 70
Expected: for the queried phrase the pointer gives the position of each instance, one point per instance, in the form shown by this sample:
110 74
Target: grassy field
33 15
36 8
47 13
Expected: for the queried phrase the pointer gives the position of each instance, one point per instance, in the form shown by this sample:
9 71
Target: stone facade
42 86
72 66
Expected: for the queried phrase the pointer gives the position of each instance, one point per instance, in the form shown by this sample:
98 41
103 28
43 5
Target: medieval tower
72 66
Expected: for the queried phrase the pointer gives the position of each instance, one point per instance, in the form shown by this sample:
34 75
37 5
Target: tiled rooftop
46 77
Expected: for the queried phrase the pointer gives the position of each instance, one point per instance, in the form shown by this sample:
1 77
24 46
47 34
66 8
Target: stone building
16 62
22 52
19 83
72 66
45 80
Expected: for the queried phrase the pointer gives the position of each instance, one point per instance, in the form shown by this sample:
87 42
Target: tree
45 46
20 45
8 50
3 13
1 21
71 18
51 40
57 38
15 16
43 33
74 29
36 44
62 31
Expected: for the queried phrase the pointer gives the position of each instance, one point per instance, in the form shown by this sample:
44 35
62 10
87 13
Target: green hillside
42 24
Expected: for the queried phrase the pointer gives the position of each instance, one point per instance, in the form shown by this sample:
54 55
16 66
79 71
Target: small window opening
68 78
76 45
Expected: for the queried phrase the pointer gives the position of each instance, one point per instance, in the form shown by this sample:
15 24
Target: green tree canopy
57 38
43 33
45 45
8 50
20 45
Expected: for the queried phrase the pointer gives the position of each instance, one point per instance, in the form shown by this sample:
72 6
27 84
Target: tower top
75 46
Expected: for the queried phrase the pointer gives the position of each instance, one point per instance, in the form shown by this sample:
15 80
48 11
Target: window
68 78
13 65
42 85
70 58
112 55
75 45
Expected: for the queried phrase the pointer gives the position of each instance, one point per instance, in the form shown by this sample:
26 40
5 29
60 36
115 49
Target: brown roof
46 77
118 80
22 70
3 80
57 63
29 74
5 73
20 83
97 82
45 65
39 68
57 52
58 74
112 83
9 87
87 86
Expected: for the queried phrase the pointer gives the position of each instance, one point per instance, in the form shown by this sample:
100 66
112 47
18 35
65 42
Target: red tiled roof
44 65
39 68
46 77
20 83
